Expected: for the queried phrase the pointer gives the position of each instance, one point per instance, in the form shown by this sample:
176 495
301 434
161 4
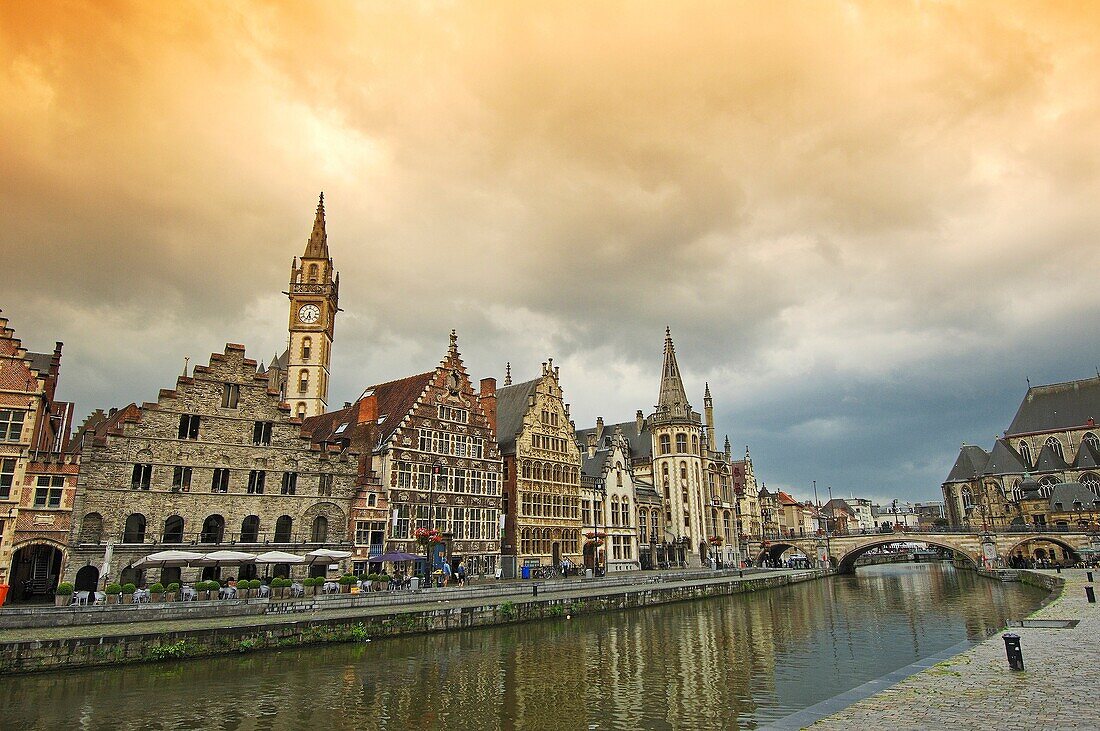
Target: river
729 663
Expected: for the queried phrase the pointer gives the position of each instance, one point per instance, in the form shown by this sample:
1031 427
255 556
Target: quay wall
148 646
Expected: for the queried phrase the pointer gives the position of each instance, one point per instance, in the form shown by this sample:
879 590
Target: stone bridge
980 548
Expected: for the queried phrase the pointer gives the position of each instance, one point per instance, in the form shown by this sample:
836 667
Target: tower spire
317 248
672 394
508 373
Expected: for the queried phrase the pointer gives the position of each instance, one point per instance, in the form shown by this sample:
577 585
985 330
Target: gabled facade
439 463
1053 439
609 505
37 469
217 460
542 485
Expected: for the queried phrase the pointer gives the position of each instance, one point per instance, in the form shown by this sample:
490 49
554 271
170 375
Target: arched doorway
87 579
35 571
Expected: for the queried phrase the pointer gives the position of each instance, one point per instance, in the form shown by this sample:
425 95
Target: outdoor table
188 594
330 587
80 598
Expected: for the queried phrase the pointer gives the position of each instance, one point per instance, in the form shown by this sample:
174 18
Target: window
261 433
1091 481
301 410
312 272
324 487
681 443
1056 447
401 522
320 529
683 471
303 381
142 477
695 443
11 425
1092 440
7 477
665 444
450 413
1025 454
256 479
967 498
181 479
220 481
231 394
290 483
282 529
250 529
47 493
134 532
307 348
213 529
362 533
189 426
173 530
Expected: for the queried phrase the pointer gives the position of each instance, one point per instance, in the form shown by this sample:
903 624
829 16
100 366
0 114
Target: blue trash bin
525 572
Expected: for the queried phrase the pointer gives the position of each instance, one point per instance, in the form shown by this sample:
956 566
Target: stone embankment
976 688
340 619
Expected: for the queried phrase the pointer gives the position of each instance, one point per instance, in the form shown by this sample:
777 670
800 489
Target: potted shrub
310 586
114 593
346 582
242 589
156 592
63 594
381 582
212 589
128 593
254 586
171 591
278 588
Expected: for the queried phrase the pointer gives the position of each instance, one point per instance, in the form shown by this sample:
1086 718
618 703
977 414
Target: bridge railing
909 532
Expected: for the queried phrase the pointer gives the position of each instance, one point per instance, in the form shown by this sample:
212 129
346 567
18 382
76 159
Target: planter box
156 598
62 600
170 596
345 588
243 593
127 598
112 599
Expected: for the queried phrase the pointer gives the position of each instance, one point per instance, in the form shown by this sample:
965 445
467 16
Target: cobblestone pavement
1058 689
449 598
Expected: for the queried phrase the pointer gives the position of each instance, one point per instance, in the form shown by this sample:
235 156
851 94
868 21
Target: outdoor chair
141 596
100 597
188 594
297 590
227 592
330 587
265 590
80 598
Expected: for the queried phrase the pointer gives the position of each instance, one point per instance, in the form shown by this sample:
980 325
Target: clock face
309 314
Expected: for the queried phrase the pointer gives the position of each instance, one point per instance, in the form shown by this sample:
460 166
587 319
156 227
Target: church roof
511 407
1057 406
395 400
1049 460
1064 495
969 464
1004 460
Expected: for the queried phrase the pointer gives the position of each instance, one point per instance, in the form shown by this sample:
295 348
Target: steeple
673 397
508 374
317 248
708 414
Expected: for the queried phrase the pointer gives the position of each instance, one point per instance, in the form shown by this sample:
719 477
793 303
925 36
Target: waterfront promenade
1056 690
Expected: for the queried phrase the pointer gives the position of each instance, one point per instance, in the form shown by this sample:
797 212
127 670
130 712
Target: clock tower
314 292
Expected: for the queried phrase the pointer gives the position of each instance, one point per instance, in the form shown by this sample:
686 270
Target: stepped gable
1004 460
512 405
1057 406
1049 461
969 465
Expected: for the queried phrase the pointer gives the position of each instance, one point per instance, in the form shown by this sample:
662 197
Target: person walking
462 573
447 573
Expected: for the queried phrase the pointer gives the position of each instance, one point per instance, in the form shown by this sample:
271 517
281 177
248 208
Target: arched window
619 476
307 348
1046 485
1056 447
1091 481
666 444
303 381
683 470
312 272
283 528
135 529
91 528
624 509
695 443
250 529
173 529
1092 440
320 529
967 498
1017 493
614 510
681 442
213 529
1025 454
526 470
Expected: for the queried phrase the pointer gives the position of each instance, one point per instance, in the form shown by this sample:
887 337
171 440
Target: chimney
366 422
640 420
599 428
487 397
591 444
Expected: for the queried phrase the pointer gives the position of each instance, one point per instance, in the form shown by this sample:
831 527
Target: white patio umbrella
105 571
327 555
167 558
279 557
233 558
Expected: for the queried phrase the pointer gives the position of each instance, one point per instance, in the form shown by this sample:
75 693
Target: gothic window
624 509
283 527
312 273
189 426
665 444
303 381
683 471
307 348
231 394
250 529
1091 481
619 476
695 443
320 529
1056 447
1017 493
681 443
1046 485
1092 440
134 531
1025 454
213 529
173 530
967 498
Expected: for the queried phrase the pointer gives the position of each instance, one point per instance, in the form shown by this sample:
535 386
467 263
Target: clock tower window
307 348
303 381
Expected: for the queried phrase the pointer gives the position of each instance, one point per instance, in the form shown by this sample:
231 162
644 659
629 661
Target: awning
167 558
279 557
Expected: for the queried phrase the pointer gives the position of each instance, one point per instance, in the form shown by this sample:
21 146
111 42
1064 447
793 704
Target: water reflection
725 663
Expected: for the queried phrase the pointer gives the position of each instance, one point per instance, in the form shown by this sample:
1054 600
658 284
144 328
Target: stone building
747 492
437 457
218 461
1053 439
37 469
674 450
770 512
542 486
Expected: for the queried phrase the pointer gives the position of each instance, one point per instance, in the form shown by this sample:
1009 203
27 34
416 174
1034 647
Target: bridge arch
775 551
1045 538
846 563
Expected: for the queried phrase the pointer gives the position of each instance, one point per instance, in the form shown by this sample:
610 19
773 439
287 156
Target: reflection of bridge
977 547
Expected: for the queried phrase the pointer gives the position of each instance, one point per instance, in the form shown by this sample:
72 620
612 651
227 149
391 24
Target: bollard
536 588
741 575
1013 651
1058 569
1090 595
1089 574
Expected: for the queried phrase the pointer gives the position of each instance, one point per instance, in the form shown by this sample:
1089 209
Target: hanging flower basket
427 536
715 540
594 535
594 542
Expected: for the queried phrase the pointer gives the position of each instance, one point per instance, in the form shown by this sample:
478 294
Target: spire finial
508 373
186 360
317 247
453 348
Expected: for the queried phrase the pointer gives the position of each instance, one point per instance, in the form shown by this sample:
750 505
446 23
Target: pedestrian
462 573
447 573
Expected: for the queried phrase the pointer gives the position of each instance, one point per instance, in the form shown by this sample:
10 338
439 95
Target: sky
866 223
